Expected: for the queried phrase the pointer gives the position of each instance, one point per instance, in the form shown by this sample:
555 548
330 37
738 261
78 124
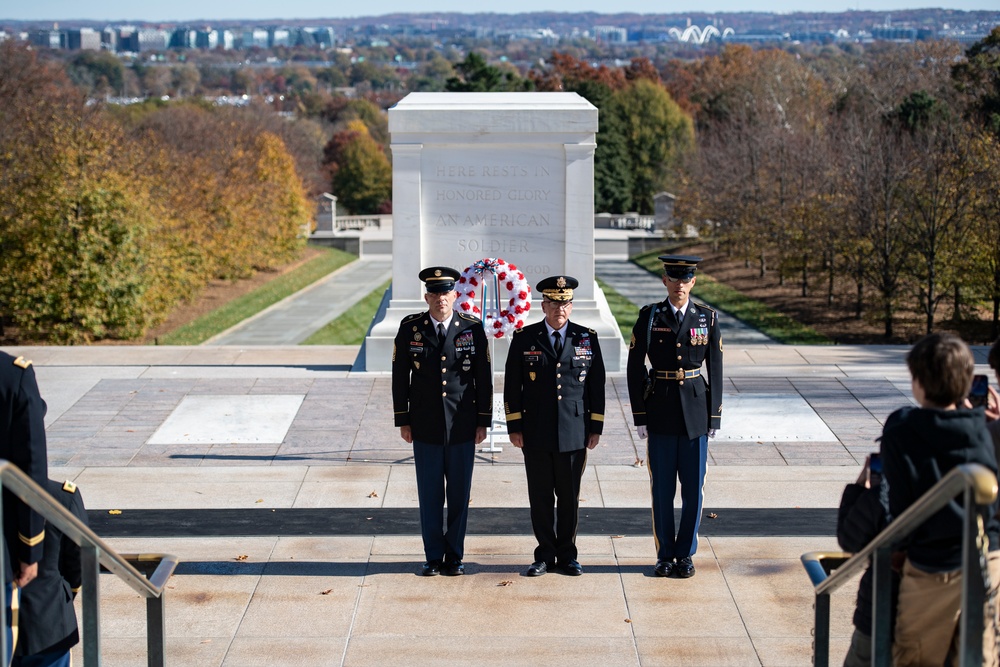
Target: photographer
920 445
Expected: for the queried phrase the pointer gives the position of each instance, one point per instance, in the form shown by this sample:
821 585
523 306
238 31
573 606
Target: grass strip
751 312
625 311
352 325
239 309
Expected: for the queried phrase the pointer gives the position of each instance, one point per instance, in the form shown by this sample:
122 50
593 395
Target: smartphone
874 469
979 393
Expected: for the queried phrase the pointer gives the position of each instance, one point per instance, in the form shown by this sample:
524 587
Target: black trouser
554 524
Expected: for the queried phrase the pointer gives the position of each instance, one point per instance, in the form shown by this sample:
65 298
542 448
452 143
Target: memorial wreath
475 283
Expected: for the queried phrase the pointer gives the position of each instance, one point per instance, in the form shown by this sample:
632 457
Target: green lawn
624 310
350 328
237 310
751 312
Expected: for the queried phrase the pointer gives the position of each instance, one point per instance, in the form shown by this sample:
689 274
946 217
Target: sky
192 10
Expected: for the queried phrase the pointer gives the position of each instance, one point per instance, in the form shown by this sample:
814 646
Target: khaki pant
927 618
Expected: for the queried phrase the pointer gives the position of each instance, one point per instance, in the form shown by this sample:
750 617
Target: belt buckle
678 375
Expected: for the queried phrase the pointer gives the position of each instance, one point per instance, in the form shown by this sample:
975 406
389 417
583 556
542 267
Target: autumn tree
361 176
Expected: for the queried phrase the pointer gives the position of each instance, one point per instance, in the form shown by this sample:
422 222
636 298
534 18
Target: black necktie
558 343
678 318
441 334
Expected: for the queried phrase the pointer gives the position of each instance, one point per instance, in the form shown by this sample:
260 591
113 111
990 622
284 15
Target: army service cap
558 288
679 266
439 278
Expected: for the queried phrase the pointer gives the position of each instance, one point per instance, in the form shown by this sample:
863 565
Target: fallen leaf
583 500
628 620
638 463
206 641
506 582
259 500
326 592
114 511
242 557
713 515
373 495
616 536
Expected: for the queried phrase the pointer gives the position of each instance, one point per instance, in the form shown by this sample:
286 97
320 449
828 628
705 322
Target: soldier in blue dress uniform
675 407
442 397
554 402
47 627
22 442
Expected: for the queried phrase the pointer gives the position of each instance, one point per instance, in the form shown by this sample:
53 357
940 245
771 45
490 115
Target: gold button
678 344
558 386
678 357
446 358
681 382
558 365
444 394
558 375
444 382
444 370
558 398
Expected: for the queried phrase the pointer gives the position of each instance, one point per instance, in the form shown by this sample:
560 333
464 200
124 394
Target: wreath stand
498 322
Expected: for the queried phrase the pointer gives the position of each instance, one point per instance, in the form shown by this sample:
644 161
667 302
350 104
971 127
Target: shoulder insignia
518 330
703 306
69 487
412 317
591 331
467 316
647 307
21 362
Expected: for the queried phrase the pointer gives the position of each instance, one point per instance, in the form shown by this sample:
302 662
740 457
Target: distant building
322 37
48 39
184 38
83 39
610 34
255 37
279 37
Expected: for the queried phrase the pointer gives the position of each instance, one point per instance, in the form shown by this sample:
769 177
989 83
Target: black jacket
920 446
554 401
690 407
859 519
47 620
22 442
442 389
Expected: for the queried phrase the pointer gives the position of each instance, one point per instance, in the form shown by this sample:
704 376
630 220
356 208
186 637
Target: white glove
711 433
643 433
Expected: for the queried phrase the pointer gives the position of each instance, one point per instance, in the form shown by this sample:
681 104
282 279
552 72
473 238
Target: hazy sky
190 10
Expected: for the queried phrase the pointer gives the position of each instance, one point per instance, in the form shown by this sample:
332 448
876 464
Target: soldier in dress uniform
22 442
674 405
554 401
442 397
47 627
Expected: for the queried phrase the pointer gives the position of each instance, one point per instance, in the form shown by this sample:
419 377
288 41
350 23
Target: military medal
531 375
416 336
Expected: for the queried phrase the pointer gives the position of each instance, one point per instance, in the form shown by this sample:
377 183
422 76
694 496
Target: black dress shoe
571 567
663 568
453 568
431 568
538 568
684 568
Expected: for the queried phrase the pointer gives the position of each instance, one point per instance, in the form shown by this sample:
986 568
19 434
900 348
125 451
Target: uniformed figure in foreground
674 405
47 627
22 442
554 400
442 397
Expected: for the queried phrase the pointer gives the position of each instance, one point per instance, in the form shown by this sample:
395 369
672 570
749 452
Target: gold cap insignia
561 282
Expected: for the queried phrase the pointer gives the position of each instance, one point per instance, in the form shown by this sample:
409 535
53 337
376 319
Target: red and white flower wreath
475 283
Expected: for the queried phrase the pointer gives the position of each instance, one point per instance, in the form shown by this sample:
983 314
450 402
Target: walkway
295 318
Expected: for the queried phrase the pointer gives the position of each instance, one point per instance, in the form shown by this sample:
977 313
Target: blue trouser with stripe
673 458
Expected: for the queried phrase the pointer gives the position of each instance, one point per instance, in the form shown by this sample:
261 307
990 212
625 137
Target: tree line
881 173
111 216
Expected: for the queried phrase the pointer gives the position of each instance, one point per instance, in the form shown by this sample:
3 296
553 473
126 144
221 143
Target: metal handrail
94 553
978 485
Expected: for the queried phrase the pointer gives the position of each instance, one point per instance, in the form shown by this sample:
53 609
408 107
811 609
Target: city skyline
256 10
